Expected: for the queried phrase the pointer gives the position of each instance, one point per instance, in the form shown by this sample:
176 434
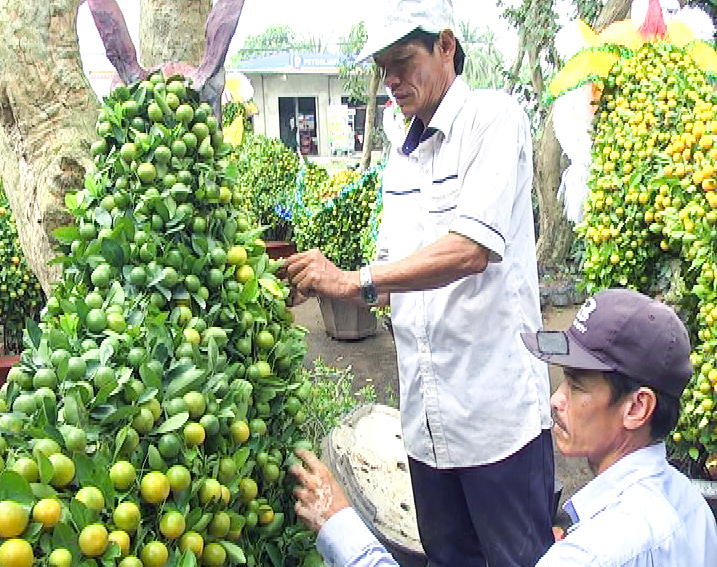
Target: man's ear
638 408
447 42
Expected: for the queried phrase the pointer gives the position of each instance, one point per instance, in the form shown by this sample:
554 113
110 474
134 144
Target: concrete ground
373 360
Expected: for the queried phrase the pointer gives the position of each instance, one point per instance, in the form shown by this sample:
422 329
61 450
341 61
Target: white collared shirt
470 391
640 512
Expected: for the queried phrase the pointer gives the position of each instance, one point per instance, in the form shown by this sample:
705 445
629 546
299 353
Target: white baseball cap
402 17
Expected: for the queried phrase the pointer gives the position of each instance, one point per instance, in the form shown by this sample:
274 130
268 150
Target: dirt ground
373 361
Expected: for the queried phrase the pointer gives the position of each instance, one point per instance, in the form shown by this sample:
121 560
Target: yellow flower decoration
601 51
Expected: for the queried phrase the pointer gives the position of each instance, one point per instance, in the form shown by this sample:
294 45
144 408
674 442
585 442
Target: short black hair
428 40
667 408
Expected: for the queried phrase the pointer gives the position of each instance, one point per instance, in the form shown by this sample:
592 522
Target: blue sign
293 62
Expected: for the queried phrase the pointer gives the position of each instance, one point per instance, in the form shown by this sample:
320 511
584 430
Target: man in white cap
457 261
626 361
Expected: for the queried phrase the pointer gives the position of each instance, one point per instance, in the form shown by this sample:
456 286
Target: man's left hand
319 496
311 273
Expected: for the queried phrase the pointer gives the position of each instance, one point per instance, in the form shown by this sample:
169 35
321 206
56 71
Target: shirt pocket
441 202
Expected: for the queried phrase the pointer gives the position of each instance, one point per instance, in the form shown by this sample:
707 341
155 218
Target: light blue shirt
345 541
640 512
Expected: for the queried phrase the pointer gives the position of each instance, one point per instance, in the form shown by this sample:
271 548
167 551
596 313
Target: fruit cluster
21 295
651 214
344 227
156 406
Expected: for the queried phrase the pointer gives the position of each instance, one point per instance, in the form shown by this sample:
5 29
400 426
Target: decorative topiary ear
118 44
221 25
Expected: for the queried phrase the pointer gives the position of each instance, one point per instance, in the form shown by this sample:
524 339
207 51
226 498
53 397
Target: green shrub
267 178
20 293
330 399
343 227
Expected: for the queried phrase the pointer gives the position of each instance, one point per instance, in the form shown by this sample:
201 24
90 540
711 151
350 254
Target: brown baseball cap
624 331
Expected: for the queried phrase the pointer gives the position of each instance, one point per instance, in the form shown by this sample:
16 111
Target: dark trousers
498 514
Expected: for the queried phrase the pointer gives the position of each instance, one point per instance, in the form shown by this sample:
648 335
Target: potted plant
340 217
20 293
266 182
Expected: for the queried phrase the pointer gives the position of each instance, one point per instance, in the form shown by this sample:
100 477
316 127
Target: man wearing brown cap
626 361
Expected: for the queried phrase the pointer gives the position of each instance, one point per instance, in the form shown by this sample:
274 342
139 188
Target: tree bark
613 11
517 64
370 120
555 230
172 31
47 121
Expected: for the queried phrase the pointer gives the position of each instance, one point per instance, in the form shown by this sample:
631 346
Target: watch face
369 294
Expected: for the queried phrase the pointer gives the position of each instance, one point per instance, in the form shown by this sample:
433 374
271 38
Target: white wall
268 88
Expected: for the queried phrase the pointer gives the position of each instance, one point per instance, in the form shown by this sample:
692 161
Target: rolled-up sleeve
490 177
345 541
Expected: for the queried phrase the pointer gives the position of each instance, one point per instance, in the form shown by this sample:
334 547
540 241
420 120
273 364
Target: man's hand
311 273
319 497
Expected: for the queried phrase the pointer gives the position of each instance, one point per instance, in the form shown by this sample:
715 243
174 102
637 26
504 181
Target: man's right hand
319 497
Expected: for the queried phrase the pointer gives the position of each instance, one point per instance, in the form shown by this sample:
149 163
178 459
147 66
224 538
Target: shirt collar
442 120
600 492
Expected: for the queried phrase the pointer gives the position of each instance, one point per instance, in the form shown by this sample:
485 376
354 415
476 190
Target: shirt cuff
333 542
482 233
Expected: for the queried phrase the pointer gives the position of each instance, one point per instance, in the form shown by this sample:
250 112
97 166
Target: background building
301 100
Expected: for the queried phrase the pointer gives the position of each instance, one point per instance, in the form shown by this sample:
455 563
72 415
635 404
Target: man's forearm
450 258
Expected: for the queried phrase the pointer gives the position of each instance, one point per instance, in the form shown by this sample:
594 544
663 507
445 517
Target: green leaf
81 514
273 553
15 487
71 201
106 352
249 292
66 234
112 552
172 424
212 354
150 378
192 379
162 210
148 394
102 218
236 553
188 559
694 453
113 253
45 466
64 536
272 287
84 470
34 332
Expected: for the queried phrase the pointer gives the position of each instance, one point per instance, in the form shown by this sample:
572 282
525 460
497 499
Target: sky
328 18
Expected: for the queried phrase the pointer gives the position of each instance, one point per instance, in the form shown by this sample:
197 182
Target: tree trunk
47 121
517 64
172 31
613 11
555 233
370 120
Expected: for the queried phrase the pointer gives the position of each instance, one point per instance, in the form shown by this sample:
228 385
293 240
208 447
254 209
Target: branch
517 64
613 11
118 44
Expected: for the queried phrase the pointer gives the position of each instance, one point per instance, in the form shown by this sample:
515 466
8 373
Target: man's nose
391 80
557 400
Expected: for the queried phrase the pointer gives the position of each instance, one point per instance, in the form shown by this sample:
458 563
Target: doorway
298 127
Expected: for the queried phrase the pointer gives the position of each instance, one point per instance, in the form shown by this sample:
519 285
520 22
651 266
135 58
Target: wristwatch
368 288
